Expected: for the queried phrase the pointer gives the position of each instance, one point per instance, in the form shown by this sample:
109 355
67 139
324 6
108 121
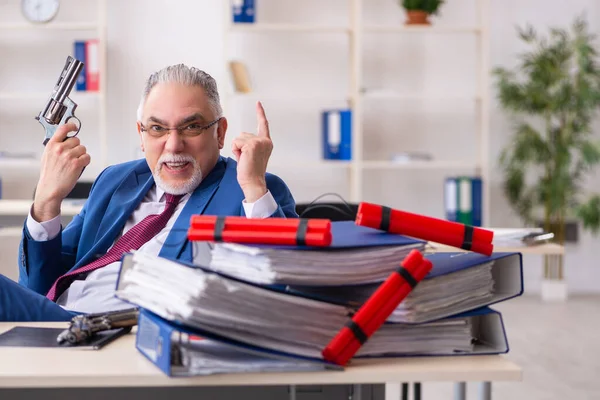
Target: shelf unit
98 27
356 30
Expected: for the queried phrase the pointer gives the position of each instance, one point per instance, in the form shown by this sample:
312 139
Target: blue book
79 54
180 350
476 199
336 127
243 11
451 199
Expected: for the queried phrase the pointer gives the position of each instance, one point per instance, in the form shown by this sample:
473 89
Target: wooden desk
119 364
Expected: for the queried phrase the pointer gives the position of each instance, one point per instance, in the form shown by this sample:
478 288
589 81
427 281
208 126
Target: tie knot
173 198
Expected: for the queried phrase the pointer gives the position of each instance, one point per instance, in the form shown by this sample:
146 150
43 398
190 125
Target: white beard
180 188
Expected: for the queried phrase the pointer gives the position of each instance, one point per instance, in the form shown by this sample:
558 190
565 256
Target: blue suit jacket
114 196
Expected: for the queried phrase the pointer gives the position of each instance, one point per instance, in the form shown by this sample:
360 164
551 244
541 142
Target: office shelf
43 95
60 26
441 165
421 29
261 27
10 163
362 99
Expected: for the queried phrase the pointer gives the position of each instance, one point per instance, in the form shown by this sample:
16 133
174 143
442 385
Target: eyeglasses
191 130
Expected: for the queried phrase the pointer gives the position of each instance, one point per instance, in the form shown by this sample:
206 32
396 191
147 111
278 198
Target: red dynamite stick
421 223
382 314
377 300
256 237
426 228
266 224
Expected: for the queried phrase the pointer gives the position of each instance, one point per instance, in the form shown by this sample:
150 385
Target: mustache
166 158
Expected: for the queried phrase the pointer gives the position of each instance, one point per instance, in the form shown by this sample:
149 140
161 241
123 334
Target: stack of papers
206 357
357 255
431 299
308 267
264 316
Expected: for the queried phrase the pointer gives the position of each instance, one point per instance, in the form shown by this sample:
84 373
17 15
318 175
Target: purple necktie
133 239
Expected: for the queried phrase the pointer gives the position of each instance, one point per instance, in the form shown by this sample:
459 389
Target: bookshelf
46 46
360 32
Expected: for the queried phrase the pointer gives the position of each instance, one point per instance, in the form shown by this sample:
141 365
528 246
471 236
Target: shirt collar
159 193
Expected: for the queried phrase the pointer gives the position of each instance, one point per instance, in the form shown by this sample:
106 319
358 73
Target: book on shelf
463 200
336 129
244 11
240 76
87 51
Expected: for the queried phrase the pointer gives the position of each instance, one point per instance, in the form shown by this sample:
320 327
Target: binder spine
243 11
336 127
450 199
476 201
79 54
92 76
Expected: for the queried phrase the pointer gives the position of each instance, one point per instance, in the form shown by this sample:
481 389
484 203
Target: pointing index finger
263 124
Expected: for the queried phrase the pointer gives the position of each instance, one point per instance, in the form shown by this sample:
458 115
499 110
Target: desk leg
485 391
292 390
356 393
460 391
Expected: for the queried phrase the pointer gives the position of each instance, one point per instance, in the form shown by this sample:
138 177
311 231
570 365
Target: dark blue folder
157 339
347 235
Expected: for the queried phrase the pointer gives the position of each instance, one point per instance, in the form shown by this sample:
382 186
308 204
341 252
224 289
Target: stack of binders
370 292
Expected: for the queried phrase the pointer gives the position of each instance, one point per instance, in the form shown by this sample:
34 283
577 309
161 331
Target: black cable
348 207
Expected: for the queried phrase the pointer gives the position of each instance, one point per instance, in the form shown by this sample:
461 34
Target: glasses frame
178 129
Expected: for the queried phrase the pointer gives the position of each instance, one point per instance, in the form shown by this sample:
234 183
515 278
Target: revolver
59 107
84 326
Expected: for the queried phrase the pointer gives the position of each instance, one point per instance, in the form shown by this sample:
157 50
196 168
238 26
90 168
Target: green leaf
590 152
529 146
429 6
589 214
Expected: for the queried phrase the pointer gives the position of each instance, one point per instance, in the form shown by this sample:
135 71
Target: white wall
144 35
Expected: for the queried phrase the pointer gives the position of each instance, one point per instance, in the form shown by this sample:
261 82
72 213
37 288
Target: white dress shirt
96 292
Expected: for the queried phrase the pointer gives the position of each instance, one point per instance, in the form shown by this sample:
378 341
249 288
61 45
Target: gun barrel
67 79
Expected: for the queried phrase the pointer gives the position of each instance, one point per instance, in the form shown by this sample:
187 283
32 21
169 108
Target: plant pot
416 17
554 290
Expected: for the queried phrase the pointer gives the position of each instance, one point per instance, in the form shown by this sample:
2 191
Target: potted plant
418 11
553 95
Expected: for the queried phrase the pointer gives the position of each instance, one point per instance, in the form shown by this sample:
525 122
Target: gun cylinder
54 112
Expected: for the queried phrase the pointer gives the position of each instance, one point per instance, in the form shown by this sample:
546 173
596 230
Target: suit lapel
122 204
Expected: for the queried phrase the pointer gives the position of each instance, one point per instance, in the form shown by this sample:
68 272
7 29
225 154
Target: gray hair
189 76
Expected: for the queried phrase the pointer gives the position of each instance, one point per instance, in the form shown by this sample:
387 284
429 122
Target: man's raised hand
252 152
63 161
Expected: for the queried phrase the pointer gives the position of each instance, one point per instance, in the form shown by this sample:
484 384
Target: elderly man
144 204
